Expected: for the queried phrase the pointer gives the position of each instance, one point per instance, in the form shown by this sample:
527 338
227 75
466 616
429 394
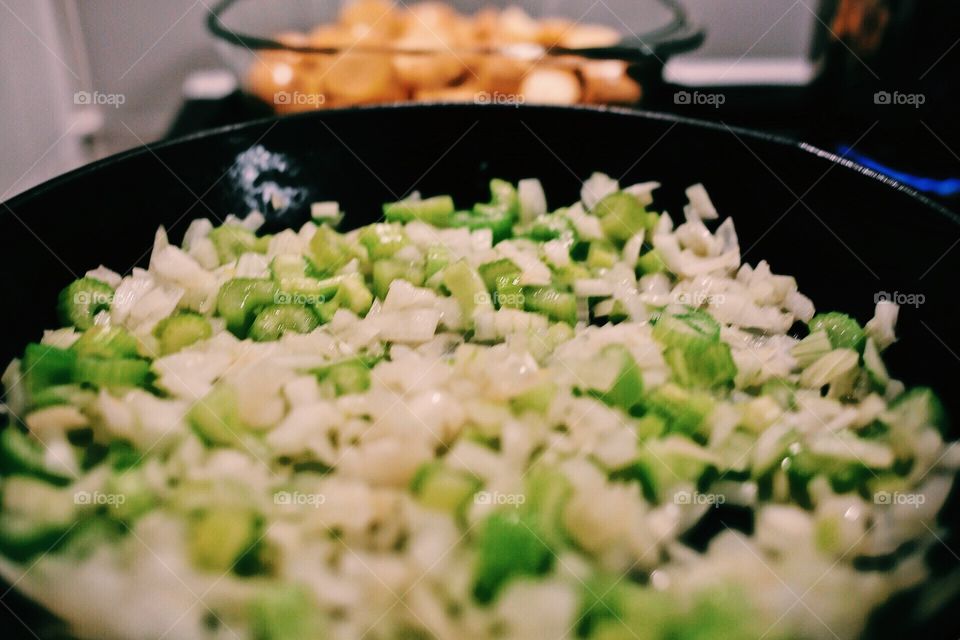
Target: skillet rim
828 157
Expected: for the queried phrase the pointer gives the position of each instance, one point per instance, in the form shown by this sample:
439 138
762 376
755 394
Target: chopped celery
182 330
22 538
135 489
436 211
62 394
829 368
485 216
508 293
844 331
491 271
285 612
680 330
20 454
82 300
547 493
218 538
106 342
90 534
290 266
917 408
386 271
241 299
232 241
536 399
650 426
349 376
438 257
621 215
383 240
702 364
45 366
616 609
329 251
549 227
112 372
274 321
683 410
639 472
602 255
651 262
215 418
466 285
566 276
556 305
507 547
626 388
437 486
504 193
674 459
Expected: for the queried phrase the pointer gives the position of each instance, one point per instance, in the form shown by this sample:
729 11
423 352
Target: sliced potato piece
551 86
583 36
607 82
355 78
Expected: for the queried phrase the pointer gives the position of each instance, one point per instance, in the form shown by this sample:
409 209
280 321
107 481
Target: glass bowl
301 55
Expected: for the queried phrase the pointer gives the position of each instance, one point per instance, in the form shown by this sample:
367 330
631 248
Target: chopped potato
551 86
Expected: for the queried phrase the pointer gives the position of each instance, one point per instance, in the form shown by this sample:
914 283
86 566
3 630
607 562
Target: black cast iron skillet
847 234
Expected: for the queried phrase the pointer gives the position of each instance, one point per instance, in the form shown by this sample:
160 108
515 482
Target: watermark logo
899 498
91 98
301 299
897 98
900 298
501 299
699 98
299 99
499 499
496 97
296 498
97 498
698 299
697 498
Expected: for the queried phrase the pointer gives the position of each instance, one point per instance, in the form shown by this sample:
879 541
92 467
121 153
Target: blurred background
872 79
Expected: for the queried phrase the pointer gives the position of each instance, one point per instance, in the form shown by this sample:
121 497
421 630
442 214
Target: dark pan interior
846 235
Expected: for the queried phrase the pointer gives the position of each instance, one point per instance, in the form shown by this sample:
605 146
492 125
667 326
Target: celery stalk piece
180 331
467 287
241 299
436 211
82 300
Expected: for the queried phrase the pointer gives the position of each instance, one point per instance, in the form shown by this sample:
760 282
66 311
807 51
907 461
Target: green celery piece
702 364
564 277
349 376
602 255
438 257
639 472
241 299
287 265
722 611
354 295
112 372
383 240
627 389
504 193
82 300
844 332
138 496
491 271
90 534
615 609
536 399
215 419
386 271
556 305
218 538
495 217
180 331
844 475
329 252
507 547
436 211
62 394
669 460
285 612
683 410
508 294
621 215
547 493
439 487
549 226
915 409
467 287
106 342
232 241
45 366
21 538
681 330
21 455
651 262
274 321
